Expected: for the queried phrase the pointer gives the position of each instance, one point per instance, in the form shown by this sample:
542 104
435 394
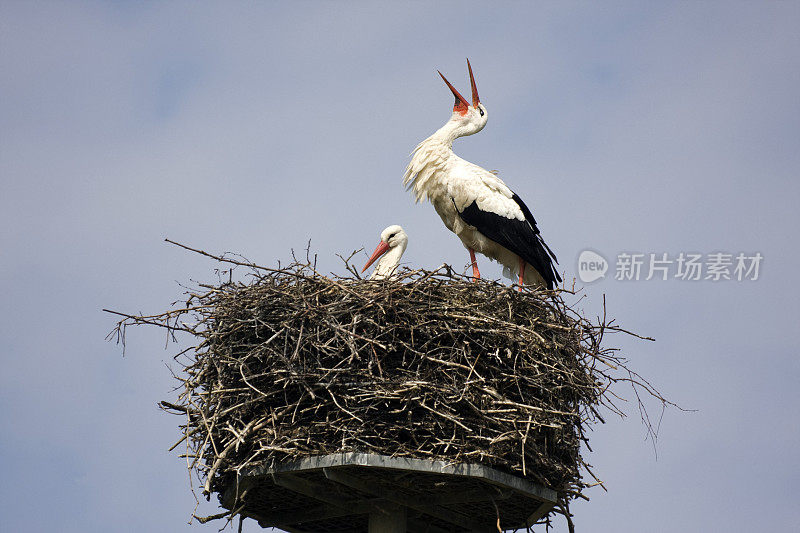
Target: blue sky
252 128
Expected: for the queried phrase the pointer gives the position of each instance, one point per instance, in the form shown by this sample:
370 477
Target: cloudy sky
254 127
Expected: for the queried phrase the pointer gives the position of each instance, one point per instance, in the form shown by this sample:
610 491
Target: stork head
391 238
468 117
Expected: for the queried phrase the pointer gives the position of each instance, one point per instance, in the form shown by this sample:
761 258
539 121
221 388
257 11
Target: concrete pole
388 521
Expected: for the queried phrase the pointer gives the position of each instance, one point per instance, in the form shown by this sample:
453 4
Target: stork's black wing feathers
529 218
520 236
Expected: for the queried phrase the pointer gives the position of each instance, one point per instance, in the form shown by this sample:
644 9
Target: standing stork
475 204
393 243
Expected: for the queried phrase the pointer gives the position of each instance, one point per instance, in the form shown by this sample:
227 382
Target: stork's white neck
387 264
452 130
434 156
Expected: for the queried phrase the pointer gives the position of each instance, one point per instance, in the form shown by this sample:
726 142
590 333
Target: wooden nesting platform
353 492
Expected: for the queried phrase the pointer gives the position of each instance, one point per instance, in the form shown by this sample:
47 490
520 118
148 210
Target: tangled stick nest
290 364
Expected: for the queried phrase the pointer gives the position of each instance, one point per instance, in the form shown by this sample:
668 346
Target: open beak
475 99
382 248
461 104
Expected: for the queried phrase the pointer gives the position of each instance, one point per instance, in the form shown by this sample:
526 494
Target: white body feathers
449 182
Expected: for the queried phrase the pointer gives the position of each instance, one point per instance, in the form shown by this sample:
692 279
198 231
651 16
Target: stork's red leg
521 273
475 272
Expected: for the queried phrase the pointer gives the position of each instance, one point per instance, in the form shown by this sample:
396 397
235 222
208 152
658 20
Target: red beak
379 251
461 104
475 99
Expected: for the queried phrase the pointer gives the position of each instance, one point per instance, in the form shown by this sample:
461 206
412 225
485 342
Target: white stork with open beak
393 243
474 203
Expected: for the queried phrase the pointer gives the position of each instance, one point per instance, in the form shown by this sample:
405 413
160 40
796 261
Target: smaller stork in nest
393 243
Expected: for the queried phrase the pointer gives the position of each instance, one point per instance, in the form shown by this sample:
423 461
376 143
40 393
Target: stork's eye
481 110
391 236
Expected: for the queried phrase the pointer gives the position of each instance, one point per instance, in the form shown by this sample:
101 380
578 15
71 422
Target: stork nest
289 363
